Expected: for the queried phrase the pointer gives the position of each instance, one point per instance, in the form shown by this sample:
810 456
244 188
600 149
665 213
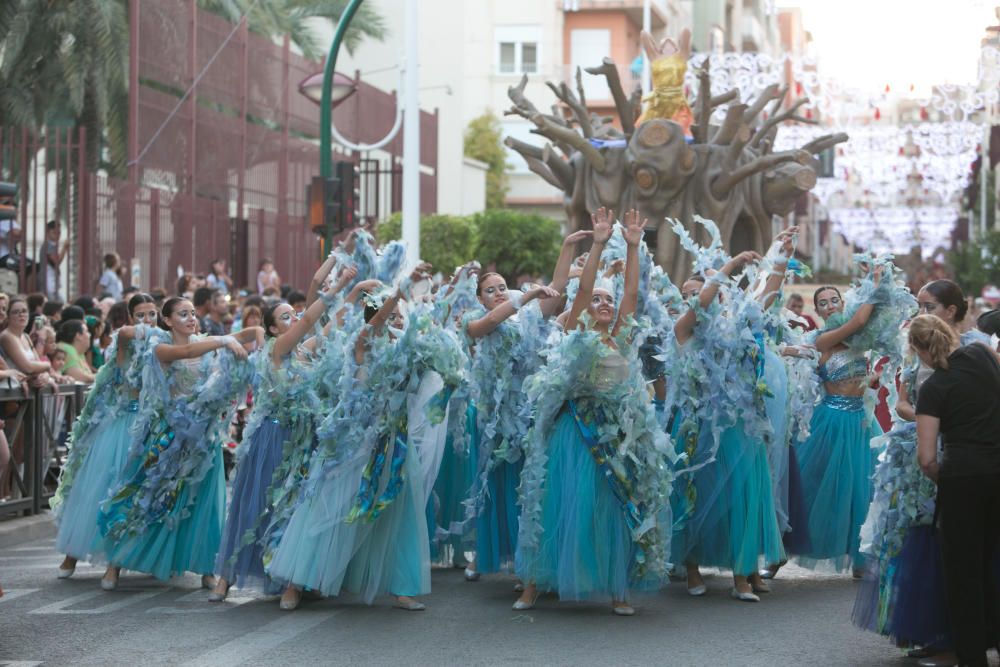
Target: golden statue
668 65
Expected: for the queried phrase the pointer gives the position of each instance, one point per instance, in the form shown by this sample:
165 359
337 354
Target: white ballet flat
218 597
289 605
697 591
66 573
109 584
743 597
624 610
412 605
521 605
471 575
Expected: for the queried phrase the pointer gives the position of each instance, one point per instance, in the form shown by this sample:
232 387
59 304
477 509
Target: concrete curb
26 529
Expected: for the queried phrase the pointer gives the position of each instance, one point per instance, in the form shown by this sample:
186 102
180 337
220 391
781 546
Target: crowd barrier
36 426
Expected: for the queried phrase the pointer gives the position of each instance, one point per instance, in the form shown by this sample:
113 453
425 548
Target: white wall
473 190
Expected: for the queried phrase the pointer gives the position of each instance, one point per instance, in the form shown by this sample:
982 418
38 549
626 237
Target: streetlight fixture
343 87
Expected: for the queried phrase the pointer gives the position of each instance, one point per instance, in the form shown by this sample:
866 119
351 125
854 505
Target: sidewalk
16 530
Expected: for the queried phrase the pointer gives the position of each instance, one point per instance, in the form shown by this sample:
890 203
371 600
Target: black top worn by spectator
989 322
966 398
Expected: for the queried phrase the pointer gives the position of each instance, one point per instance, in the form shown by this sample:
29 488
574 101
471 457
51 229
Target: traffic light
8 200
333 202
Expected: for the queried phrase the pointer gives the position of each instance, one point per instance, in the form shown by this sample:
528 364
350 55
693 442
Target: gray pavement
45 621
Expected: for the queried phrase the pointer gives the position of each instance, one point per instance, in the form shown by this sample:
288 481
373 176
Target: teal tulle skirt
79 533
320 551
190 546
446 512
585 549
837 464
497 522
728 516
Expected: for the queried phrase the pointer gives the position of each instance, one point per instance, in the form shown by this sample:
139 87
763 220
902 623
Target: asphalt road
46 621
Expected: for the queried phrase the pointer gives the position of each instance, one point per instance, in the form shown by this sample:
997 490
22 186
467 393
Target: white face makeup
493 292
828 302
145 313
602 306
691 288
284 317
184 319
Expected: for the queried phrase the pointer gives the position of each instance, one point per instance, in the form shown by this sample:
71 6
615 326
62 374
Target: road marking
200 597
119 600
44 566
257 642
19 663
14 593
49 548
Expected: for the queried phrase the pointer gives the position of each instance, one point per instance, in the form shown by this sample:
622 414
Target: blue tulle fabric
594 496
447 520
79 535
732 521
837 463
165 513
241 554
497 521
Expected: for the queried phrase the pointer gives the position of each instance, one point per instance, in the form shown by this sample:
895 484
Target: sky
869 44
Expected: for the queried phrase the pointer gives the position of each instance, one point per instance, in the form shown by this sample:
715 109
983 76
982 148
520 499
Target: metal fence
218 173
36 426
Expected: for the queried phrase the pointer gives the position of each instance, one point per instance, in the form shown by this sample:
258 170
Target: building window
518 49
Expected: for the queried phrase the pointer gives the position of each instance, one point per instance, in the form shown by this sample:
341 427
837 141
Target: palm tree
65 63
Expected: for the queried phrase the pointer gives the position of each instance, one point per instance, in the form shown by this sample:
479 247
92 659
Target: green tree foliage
446 241
483 142
977 263
517 243
65 62
509 242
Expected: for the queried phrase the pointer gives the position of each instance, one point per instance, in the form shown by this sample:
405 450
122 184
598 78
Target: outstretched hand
633 227
576 237
603 221
739 261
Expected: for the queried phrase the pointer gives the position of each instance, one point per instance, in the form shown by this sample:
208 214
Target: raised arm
560 275
490 321
830 339
167 353
317 280
776 278
633 237
602 222
684 327
287 341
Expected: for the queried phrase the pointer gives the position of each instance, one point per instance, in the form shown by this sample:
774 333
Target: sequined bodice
185 374
843 365
609 372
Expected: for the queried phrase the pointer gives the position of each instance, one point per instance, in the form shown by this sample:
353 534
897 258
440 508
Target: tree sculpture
670 161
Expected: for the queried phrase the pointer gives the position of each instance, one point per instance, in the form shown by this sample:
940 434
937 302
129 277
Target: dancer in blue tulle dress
360 523
277 442
596 481
99 442
165 512
837 460
902 596
505 349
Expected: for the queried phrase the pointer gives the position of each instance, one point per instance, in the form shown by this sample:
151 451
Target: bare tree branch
579 88
820 144
778 118
560 168
758 105
704 113
571 138
725 98
566 95
726 181
625 112
731 124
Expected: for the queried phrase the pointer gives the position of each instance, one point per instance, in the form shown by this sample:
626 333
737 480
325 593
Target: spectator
796 304
4 300
52 311
36 304
10 234
104 305
214 321
117 316
73 338
86 302
267 278
58 361
159 296
186 286
959 402
44 340
109 282
297 300
218 278
128 293
16 347
202 301
251 317
95 355
51 255
72 313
